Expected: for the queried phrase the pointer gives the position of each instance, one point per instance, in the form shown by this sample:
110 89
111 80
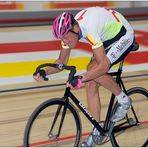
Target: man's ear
76 27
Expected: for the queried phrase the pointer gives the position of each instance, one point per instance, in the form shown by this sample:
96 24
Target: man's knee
102 79
92 86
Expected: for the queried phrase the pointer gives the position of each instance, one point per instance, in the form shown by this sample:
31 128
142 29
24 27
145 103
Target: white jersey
98 24
104 27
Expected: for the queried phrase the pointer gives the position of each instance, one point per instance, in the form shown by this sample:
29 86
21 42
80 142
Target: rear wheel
53 123
133 131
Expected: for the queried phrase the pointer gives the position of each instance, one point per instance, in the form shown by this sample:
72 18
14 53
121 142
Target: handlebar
60 67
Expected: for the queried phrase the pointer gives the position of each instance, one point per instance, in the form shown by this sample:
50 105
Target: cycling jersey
105 27
99 24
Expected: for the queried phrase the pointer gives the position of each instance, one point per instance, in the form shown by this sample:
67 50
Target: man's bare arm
63 59
101 68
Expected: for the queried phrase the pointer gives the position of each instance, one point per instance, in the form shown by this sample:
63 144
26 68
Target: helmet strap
74 33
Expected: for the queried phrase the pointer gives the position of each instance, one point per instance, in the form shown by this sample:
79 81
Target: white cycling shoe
93 139
121 111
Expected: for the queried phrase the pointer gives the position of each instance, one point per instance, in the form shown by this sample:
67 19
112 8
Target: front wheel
133 131
54 123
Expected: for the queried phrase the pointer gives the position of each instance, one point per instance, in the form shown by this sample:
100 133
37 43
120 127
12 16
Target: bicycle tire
121 135
31 140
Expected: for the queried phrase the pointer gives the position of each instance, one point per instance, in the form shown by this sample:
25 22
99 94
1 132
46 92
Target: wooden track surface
16 107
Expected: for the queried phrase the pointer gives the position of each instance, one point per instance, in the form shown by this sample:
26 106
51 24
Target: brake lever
45 78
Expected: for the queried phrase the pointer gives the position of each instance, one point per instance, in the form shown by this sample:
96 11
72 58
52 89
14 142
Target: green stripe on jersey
111 29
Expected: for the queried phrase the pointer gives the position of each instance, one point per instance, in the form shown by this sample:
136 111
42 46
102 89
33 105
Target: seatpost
121 65
120 70
118 76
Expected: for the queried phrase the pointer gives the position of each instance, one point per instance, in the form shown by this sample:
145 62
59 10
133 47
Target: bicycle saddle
135 46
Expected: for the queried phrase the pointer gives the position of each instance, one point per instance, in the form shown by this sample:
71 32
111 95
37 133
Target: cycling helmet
63 24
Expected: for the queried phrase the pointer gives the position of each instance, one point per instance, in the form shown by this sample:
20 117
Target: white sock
122 97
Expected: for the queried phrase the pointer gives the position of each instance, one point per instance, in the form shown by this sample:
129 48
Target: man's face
70 39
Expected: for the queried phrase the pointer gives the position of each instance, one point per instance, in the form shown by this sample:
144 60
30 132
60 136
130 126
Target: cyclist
111 38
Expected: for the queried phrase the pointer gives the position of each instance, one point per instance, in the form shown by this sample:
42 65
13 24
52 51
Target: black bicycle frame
112 107
103 130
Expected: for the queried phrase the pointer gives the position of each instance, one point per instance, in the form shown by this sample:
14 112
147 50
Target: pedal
99 139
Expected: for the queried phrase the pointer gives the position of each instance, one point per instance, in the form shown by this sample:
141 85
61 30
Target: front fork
50 134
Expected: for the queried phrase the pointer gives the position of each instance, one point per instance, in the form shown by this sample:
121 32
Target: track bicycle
56 122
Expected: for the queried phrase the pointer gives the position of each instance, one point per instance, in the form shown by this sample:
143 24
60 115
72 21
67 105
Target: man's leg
124 101
105 80
92 93
94 106
109 83
93 99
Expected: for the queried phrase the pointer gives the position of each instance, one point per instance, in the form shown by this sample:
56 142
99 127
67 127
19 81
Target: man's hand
76 82
40 76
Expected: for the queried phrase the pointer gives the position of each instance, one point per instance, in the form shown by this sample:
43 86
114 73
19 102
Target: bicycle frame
105 129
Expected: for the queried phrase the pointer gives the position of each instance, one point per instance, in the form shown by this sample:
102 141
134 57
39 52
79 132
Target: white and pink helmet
62 24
